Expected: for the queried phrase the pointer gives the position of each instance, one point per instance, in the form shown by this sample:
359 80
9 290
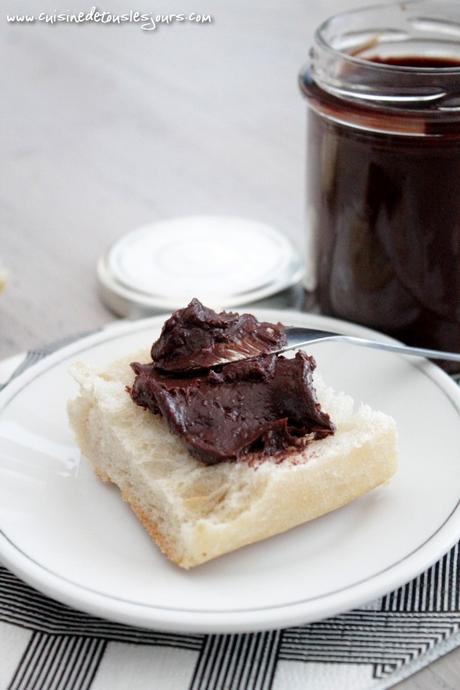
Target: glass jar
383 170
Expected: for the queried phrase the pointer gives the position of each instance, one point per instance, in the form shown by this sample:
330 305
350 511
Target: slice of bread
196 512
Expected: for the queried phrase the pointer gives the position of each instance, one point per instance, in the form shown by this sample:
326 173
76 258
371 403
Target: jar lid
223 261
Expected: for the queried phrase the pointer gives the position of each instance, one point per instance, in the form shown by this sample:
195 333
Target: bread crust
152 528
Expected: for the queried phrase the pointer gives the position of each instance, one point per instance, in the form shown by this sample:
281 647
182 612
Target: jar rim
390 56
321 41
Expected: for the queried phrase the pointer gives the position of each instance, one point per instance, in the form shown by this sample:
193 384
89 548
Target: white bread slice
196 512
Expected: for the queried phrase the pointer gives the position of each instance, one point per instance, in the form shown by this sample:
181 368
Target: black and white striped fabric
48 646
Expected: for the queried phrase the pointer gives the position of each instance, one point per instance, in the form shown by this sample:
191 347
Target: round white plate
72 537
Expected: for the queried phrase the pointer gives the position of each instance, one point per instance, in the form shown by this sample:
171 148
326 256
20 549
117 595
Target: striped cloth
48 646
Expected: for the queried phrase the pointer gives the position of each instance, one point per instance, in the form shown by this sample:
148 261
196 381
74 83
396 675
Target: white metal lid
224 261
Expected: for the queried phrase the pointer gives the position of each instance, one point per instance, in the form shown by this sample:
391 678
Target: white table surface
105 128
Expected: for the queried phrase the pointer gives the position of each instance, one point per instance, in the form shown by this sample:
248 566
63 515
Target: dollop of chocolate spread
198 338
253 408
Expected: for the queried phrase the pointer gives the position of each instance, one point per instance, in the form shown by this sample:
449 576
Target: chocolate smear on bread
198 338
260 407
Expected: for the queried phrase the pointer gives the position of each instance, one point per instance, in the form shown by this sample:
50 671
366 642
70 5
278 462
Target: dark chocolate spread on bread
258 407
198 338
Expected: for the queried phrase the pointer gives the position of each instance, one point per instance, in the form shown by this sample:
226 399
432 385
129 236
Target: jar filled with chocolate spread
383 170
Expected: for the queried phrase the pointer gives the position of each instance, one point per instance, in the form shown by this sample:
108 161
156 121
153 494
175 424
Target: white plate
71 536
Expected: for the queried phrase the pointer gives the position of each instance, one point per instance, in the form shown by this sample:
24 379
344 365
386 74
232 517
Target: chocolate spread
198 338
258 407
387 209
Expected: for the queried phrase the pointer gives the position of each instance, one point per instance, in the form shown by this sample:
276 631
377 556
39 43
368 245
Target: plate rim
242 620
